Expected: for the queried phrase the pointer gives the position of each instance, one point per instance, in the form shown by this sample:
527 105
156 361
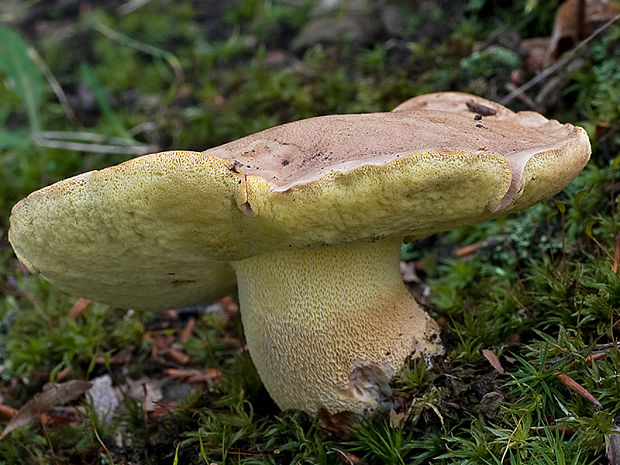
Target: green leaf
589 225
11 140
580 195
27 79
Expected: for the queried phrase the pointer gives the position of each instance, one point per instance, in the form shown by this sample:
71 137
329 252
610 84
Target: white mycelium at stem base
330 327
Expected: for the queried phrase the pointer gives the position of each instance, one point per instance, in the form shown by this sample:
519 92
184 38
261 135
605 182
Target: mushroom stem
329 327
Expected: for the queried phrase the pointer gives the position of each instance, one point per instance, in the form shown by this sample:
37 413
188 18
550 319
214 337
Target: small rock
103 397
335 21
490 403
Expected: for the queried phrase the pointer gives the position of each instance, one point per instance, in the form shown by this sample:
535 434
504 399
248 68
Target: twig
617 254
577 388
95 148
514 297
35 304
603 248
473 248
84 136
172 60
105 448
604 347
54 84
562 429
558 64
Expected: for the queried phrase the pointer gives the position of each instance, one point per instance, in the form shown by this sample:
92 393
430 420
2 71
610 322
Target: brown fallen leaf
471 249
229 304
6 412
602 128
52 394
177 356
574 20
186 334
577 388
67 416
79 307
64 374
338 424
535 50
493 360
397 420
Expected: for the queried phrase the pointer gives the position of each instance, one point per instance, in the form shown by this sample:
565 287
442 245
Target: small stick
558 64
562 429
577 388
54 84
95 148
603 348
186 334
617 254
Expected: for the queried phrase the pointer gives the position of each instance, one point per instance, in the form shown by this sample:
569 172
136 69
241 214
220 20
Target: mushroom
308 217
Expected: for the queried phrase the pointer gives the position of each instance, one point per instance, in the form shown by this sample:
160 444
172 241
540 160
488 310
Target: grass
542 295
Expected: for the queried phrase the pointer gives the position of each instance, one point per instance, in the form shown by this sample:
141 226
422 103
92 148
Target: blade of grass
27 79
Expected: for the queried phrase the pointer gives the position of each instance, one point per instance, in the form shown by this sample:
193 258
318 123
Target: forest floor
529 304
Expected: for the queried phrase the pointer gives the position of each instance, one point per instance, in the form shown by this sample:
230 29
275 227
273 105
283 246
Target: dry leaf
574 20
574 386
186 334
229 304
397 420
177 356
6 412
51 395
493 360
536 50
338 424
79 307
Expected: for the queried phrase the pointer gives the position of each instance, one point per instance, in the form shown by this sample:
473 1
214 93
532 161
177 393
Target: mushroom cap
160 230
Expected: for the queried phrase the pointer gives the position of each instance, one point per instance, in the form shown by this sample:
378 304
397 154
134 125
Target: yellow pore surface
160 230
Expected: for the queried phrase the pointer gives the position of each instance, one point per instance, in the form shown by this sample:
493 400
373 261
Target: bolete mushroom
309 218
